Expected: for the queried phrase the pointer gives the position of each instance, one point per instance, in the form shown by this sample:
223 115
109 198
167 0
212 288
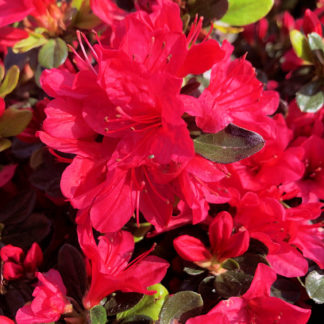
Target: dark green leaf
119 301
181 306
35 228
98 315
315 286
72 269
245 12
232 283
137 319
249 261
285 289
229 145
53 53
17 209
310 98
209 9
149 305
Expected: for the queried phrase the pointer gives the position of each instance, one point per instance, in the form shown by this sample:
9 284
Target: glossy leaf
10 81
149 305
53 53
300 45
315 42
14 121
314 284
245 12
310 98
285 289
229 145
209 9
98 315
181 306
232 283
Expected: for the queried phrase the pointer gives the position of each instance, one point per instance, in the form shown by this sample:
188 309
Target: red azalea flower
198 184
233 96
265 220
223 243
16 265
49 302
257 306
312 181
12 11
311 23
275 164
107 11
6 320
110 267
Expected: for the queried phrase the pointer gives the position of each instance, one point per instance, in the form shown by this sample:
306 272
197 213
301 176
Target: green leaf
285 289
119 301
10 81
229 145
34 40
181 306
76 4
14 121
53 53
2 72
300 45
137 319
315 42
310 97
232 283
315 286
4 144
245 12
98 315
209 9
149 305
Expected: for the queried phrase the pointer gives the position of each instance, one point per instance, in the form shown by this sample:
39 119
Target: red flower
198 184
265 219
312 181
12 11
311 23
275 164
110 267
223 243
16 265
6 320
49 302
233 96
257 306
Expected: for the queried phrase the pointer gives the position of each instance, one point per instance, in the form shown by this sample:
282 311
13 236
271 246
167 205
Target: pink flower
256 305
49 302
223 243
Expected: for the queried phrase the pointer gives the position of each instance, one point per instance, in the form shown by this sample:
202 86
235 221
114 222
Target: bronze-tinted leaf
229 145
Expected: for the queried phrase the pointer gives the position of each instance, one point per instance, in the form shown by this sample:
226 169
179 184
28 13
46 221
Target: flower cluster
152 129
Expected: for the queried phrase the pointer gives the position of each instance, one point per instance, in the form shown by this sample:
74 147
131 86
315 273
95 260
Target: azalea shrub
162 161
